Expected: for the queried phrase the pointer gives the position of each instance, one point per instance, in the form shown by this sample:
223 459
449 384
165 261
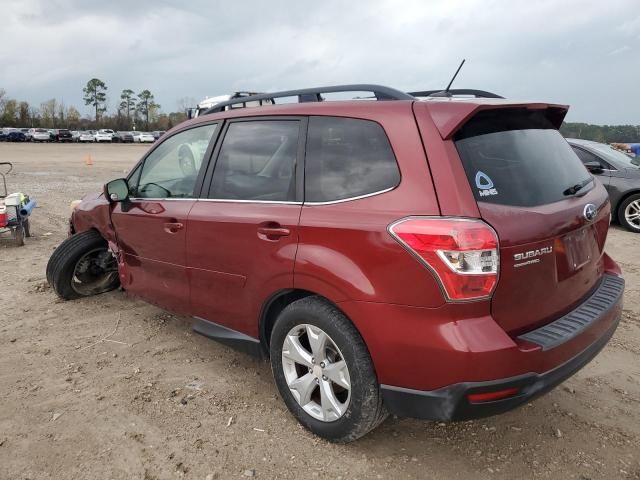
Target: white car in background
143 137
86 137
40 135
104 136
75 136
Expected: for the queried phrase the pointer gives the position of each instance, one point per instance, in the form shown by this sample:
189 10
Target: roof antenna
445 92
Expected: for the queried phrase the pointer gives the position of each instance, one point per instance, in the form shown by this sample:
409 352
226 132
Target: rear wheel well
272 309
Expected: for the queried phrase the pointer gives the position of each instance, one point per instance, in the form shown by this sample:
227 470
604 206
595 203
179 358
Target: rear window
347 158
518 158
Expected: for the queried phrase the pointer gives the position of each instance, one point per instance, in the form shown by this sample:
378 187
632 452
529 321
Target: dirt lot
155 401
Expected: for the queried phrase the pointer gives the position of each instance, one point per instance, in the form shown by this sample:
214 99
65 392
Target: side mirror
117 190
594 167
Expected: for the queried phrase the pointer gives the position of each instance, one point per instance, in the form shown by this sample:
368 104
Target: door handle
173 227
272 233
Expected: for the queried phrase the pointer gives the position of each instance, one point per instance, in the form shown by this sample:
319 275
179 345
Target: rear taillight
462 253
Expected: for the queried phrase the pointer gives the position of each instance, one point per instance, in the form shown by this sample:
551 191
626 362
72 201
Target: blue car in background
16 136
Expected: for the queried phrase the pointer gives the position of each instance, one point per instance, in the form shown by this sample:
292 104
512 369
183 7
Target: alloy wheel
316 372
632 214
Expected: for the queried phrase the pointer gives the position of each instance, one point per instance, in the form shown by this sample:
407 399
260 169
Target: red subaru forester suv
438 257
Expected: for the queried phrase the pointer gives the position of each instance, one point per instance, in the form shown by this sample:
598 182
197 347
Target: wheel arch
277 302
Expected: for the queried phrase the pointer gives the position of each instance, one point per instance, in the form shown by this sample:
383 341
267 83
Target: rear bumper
451 402
429 360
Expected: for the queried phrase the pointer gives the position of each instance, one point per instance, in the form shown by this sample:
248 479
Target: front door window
171 170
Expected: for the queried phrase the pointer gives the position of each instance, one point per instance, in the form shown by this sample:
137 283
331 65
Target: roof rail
455 91
315 95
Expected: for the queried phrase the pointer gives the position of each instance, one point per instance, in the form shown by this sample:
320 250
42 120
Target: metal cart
15 209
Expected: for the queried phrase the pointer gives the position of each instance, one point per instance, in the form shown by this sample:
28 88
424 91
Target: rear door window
257 161
517 158
347 158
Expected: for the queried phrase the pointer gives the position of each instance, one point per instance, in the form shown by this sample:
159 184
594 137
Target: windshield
614 155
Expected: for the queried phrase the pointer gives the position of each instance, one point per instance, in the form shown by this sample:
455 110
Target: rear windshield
518 158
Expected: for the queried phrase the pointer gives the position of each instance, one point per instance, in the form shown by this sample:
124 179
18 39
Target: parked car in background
143 137
29 134
40 135
87 136
157 134
103 136
432 258
3 135
123 137
75 136
63 135
620 175
16 136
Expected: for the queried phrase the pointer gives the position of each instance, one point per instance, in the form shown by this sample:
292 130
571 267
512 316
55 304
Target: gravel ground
108 387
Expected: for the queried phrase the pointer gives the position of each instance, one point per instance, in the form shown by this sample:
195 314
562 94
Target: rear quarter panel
345 251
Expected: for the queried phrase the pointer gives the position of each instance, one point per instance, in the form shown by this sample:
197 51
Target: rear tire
74 268
327 408
629 213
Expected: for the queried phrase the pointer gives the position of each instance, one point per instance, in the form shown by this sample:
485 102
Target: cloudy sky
584 53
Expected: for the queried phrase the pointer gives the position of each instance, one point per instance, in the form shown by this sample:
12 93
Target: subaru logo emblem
590 211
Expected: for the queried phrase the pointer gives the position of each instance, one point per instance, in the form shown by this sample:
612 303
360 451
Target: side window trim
298 167
205 159
351 199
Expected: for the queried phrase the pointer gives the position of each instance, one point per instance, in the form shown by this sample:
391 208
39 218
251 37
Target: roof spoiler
449 117
469 92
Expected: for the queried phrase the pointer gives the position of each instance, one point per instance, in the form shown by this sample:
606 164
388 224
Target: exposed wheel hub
94 272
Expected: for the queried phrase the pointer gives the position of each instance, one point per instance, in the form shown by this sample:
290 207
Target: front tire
629 213
82 266
323 371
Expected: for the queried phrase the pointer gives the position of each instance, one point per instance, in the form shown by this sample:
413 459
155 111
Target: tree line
602 133
139 111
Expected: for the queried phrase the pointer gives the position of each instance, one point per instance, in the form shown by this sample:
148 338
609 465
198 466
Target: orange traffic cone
87 161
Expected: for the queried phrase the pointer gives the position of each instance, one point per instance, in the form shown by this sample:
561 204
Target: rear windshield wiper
577 187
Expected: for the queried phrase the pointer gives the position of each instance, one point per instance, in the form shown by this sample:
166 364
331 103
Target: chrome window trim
277 202
232 200
350 199
144 199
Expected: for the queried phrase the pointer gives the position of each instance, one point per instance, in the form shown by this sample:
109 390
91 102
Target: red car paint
215 260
